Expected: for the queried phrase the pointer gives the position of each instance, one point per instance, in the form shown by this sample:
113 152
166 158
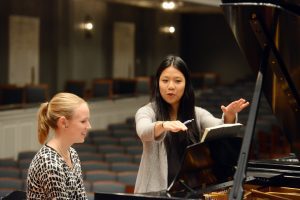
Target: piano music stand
206 164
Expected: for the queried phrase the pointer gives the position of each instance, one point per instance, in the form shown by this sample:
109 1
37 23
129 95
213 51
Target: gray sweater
153 170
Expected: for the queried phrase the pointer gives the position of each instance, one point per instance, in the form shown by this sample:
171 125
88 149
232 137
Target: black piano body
268 33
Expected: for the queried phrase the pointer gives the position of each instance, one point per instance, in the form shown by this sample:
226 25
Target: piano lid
258 25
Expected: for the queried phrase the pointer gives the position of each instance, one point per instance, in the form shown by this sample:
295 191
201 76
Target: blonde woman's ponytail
43 127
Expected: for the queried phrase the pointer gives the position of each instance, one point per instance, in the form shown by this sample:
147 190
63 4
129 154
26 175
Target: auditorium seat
82 147
130 141
23 174
88 140
205 80
26 155
134 150
11 184
143 85
87 156
9 172
36 93
120 126
100 175
267 134
8 162
123 87
94 165
108 149
137 158
102 88
130 121
109 187
118 158
105 140
76 87
99 132
119 133
24 163
124 166
11 95
127 177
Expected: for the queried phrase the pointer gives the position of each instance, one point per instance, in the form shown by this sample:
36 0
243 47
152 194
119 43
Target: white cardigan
153 171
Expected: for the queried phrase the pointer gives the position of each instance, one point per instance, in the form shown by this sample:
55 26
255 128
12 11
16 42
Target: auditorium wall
66 53
209 45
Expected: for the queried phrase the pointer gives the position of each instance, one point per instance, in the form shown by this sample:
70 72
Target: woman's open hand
231 109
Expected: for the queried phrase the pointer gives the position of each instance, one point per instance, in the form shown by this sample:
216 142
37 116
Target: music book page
220 131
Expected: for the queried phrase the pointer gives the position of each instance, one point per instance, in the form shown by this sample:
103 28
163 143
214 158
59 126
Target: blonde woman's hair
62 104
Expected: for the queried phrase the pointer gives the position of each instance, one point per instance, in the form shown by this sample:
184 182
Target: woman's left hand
233 108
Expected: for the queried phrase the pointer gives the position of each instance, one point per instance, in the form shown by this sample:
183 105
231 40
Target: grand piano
268 33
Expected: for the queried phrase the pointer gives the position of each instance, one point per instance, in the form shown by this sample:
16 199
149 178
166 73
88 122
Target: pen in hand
188 121
190 136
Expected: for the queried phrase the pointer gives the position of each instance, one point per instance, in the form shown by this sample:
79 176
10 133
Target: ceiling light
168 5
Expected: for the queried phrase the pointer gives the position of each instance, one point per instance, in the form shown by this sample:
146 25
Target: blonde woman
55 171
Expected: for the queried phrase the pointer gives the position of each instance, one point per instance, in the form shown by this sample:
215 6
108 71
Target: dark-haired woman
160 126
55 171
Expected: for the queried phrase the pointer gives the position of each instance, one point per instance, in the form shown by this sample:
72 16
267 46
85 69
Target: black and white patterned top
49 176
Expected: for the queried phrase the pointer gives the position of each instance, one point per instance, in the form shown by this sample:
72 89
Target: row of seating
121 149
117 149
110 87
12 94
126 177
100 88
109 160
267 134
96 181
112 161
115 87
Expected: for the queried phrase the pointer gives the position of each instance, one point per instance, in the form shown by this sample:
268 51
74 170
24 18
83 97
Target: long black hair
176 143
186 108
